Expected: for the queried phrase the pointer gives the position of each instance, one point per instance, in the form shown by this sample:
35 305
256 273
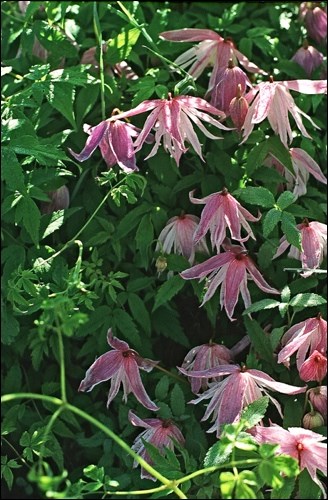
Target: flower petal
104 368
190 35
93 141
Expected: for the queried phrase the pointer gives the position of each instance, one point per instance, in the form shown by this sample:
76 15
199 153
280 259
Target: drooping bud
315 19
161 264
227 83
318 399
314 368
308 57
312 420
59 201
238 109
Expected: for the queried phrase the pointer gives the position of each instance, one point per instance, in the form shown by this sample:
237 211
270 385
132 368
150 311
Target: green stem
138 492
62 365
46 434
213 468
58 402
16 452
98 33
170 374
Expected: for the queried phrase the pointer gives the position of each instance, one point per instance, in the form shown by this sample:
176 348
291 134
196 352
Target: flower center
224 192
129 353
271 79
166 422
240 256
305 222
299 447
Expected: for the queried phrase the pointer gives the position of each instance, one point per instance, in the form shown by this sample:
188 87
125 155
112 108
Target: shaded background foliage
110 278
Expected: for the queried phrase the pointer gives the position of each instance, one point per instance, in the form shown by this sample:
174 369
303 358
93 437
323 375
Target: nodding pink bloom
308 57
59 201
306 337
208 356
303 165
315 20
158 432
231 269
178 234
318 399
273 101
226 86
212 51
299 443
239 389
221 211
114 139
314 368
314 244
172 119
238 109
122 365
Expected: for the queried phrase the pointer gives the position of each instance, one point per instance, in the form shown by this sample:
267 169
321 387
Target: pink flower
308 57
221 211
303 165
273 101
238 109
239 389
212 51
178 234
158 432
122 365
306 337
59 201
172 119
314 368
226 86
236 267
302 444
315 20
318 398
114 139
314 244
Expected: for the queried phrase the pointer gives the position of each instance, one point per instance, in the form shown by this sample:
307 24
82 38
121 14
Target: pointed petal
217 371
149 123
302 158
123 147
307 86
92 142
104 368
236 273
258 278
263 102
201 270
133 376
264 379
115 343
190 35
248 65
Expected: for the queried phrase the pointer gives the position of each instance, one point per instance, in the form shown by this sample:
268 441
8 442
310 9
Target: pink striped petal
236 273
133 376
201 270
248 65
303 159
258 278
104 368
307 86
115 343
96 135
190 35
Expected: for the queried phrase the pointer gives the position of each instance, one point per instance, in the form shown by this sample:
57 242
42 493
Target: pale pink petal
149 123
104 368
248 65
190 35
235 275
264 379
307 86
201 270
301 157
133 376
258 278
262 103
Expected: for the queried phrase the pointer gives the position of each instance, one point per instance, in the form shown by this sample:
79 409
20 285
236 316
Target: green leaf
130 220
254 412
31 218
144 89
307 487
262 304
293 235
93 472
6 473
217 454
285 199
270 220
119 48
285 294
9 326
256 196
303 300
45 154
144 238
61 97
139 312
280 152
161 389
11 171
259 340
56 220
285 491
177 401
166 291
256 156
126 326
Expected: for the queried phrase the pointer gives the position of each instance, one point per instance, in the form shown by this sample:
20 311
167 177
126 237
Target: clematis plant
241 387
230 270
222 210
230 81
314 368
272 100
161 433
121 365
308 57
314 246
318 399
315 19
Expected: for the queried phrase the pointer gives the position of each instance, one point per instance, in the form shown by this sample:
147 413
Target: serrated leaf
217 454
144 237
119 48
256 156
285 294
126 325
139 312
259 340
303 300
93 472
161 389
61 97
45 154
257 196
168 290
31 219
270 220
177 401
262 304
288 226
285 199
254 412
11 171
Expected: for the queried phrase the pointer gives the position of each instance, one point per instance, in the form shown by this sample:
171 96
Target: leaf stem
98 33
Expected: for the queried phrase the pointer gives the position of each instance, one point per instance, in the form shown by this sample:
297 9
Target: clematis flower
308 57
226 86
172 119
314 244
299 443
303 165
59 201
315 20
212 51
273 101
122 365
114 139
158 432
318 399
314 368
241 387
238 109
306 337
236 267
178 234
221 211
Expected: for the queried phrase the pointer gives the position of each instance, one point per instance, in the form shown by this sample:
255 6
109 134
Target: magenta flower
273 101
302 444
212 51
318 399
158 432
238 109
314 244
114 139
306 337
226 86
122 365
314 368
172 119
236 267
315 20
221 211
308 57
239 389
303 165
178 234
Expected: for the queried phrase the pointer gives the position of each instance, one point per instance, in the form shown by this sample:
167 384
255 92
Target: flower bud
313 419
161 264
308 57
59 201
238 109
318 399
314 368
